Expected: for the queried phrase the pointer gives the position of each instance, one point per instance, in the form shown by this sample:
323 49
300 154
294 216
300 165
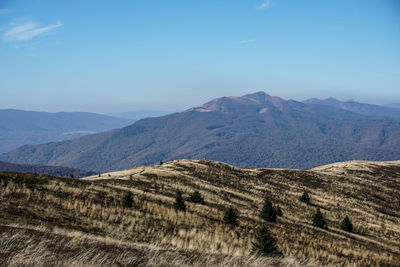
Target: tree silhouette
264 243
305 197
346 225
196 197
179 202
268 212
127 200
318 220
231 216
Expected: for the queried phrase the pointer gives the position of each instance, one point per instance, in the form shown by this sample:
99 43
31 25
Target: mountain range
139 114
360 108
51 170
19 127
253 130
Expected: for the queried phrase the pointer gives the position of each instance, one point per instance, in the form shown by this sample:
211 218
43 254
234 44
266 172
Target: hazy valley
19 127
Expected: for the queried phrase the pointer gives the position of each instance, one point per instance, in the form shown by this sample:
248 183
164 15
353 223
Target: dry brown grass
368 195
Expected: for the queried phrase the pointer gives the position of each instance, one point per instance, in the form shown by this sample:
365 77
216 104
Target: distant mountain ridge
393 105
51 170
19 127
360 108
139 114
253 130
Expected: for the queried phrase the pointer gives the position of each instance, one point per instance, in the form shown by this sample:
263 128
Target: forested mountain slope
253 130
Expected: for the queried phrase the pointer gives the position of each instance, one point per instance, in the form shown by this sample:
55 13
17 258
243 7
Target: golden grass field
47 220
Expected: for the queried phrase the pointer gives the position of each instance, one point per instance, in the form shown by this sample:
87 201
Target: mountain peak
260 96
332 100
326 101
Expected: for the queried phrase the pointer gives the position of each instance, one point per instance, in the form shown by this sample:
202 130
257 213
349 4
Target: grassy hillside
64 221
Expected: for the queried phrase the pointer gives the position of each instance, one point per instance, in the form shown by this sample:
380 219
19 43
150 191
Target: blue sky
114 56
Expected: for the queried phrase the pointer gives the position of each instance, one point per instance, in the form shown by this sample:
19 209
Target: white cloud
28 31
248 41
265 4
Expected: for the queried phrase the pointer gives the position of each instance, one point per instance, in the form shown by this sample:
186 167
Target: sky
116 56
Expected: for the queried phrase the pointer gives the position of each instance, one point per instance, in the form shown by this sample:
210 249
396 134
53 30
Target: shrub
196 197
179 202
318 220
231 216
305 197
268 212
127 200
264 243
346 225
278 211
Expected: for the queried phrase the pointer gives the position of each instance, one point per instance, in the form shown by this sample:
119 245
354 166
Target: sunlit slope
92 206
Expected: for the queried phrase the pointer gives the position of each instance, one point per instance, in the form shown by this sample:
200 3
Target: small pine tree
318 220
196 197
305 197
127 200
231 216
278 211
179 202
264 243
346 225
268 212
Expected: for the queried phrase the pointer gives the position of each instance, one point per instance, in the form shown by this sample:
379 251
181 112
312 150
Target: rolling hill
253 130
51 170
19 127
48 220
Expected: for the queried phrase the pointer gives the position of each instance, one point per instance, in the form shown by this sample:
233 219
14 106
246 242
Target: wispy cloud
4 11
265 4
27 31
248 41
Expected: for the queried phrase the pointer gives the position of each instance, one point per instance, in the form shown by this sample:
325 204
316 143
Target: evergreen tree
231 216
264 243
179 202
268 212
127 200
196 197
346 225
305 197
318 220
278 211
